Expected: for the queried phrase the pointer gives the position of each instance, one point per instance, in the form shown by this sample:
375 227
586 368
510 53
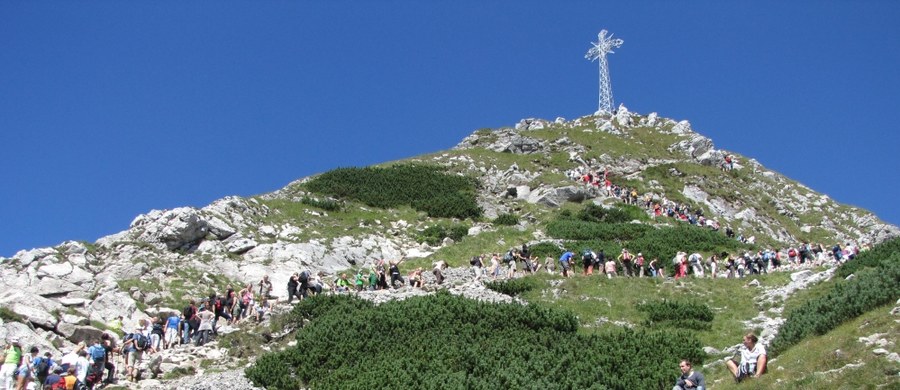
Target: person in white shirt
753 359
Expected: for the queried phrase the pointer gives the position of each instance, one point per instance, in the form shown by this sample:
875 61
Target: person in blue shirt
566 262
41 371
171 330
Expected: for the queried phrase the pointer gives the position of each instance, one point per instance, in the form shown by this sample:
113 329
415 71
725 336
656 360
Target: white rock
55 270
880 351
240 245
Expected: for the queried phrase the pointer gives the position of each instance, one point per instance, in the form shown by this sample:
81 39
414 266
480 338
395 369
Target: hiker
416 279
477 265
245 302
292 285
170 332
689 379
550 265
565 262
265 290
82 366
696 261
206 317
188 314
41 365
360 280
587 262
438 270
373 280
639 263
610 268
342 284
626 259
12 359
157 333
395 273
133 348
713 265
753 359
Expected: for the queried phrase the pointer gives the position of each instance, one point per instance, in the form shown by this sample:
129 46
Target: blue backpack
97 352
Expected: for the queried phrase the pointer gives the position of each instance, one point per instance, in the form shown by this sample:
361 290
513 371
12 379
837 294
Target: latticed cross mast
604 45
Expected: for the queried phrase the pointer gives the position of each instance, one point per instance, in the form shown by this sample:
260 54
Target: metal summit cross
604 45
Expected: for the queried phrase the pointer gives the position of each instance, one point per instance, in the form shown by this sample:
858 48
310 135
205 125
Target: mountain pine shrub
846 300
677 314
426 188
443 341
506 219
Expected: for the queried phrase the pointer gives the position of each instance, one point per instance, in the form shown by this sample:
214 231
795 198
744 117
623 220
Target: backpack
587 255
508 257
58 385
792 253
141 342
42 369
79 385
474 260
304 277
97 352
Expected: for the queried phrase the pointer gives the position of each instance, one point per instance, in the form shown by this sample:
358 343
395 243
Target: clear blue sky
110 109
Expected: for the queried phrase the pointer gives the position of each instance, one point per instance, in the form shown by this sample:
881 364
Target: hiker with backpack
41 365
219 309
587 260
510 259
133 348
98 359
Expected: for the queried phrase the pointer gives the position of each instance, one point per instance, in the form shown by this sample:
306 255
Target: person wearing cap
12 357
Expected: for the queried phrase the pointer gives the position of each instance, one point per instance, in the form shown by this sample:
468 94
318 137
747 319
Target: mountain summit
497 188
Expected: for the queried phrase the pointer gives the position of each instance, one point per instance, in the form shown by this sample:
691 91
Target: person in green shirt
342 284
373 281
360 280
12 357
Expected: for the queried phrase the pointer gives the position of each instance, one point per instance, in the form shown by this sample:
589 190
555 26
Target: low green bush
846 300
583 230
426 188
544 249
433 235
443 341
677 314
506 220
513 286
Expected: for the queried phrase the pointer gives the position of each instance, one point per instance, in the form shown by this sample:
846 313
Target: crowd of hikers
626 263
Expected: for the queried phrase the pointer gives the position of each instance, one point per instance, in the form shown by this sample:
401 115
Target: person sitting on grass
689 379
753 360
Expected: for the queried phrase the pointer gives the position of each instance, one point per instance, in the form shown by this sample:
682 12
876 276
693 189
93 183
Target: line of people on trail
637 265
506 265
382 275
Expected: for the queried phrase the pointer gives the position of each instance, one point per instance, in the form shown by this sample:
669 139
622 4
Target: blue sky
110 109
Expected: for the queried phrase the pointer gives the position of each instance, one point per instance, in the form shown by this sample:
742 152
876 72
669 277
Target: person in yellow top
70 378
12 357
